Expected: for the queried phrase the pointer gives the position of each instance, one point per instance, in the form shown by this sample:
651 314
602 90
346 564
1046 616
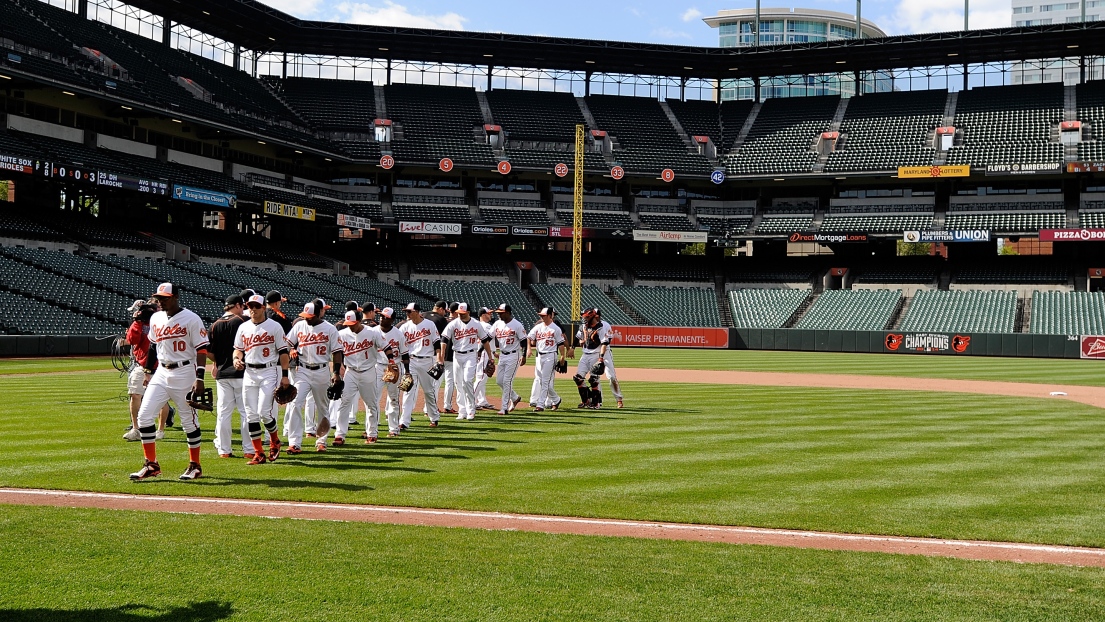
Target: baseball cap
387 312
352 305
322 302
256 299
462 307
245 294
351 318
455 306
504 308
546 311
233 299
274 296
165 289
587 313
485 310
441 304
368 306
414 306
311 309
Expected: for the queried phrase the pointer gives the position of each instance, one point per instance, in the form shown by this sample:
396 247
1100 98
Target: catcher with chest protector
594 338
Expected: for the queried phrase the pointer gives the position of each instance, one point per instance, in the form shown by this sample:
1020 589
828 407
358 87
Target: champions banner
669 337
289 211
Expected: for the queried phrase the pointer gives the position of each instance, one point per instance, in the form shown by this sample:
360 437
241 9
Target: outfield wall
53 345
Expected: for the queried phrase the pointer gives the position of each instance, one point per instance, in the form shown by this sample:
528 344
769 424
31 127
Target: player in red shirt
138 339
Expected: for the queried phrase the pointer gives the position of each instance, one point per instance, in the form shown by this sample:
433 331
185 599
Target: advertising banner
567 232
1086 167
926 342
1093 347
1023 169
490 229
829 238
16 164
648 235
129 182
1072 235
669 337
976 235
430 228
206 197
920 172
289 211
538 231
354 222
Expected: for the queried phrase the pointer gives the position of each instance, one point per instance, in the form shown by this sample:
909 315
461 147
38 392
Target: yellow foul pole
577 233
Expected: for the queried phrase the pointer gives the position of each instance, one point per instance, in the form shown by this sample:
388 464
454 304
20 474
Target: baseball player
137 337
396 342
548 341
362 346
179 346
467 338
423 343
228 379
320 356
260 348
369 314
594 337
309 412
441 316
481 364
608 360
510 336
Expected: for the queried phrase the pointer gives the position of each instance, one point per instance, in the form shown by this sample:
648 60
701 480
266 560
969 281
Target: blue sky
654 21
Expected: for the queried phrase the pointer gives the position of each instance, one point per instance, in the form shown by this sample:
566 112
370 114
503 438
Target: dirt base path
960 549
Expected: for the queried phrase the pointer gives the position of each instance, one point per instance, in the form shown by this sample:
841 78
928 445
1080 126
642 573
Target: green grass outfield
921 464
84 565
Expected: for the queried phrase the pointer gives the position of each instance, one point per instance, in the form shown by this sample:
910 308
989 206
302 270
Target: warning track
932 547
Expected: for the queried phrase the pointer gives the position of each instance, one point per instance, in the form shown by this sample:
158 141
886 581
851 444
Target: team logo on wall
893 342
960 343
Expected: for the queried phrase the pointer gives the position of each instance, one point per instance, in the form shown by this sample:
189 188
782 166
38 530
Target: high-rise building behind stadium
1046 12
780 26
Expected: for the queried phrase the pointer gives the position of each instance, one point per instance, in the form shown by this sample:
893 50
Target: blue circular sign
718 177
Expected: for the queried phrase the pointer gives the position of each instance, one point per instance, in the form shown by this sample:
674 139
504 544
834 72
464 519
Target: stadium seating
512 208
764 308
480 294
594 267
1008 125
535 117
1023 214
56 289
648 141
437 122
782 138
1010 271
379 293
672 268
842 309
1091 110
783 223
24 315
743 272
962 311
559 296
672 306
882 131
348 105
664 218
897 273
722 219
19 227
1068 313
706 118
456 263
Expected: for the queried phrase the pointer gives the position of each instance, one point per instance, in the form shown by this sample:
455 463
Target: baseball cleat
449 411
274 451
433 424
470 417
460 417
402 427
320 448
515 402
556 406
393 434
248 456
501 412
148 470
583 405
294 451
339 441
538 409
192 472
370 440
226 455
310 435
257 459
621 404
132 436
354 422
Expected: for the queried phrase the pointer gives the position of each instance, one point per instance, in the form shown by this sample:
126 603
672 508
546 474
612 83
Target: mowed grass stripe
882 462
134 566
1056 371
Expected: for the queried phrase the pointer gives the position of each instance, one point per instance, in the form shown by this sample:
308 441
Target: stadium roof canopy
258 27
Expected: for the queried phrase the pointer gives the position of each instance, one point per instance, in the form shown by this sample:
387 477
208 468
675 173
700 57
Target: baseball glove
406 382
489 369
561 366
436 371
598 368
285 394
203 401
391 374
335 389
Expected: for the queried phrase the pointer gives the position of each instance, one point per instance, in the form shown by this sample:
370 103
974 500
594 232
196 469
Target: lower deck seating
481 294
962 311
559 296
764 308
843 309
23 315
1068 313
839 223
673 306
784 224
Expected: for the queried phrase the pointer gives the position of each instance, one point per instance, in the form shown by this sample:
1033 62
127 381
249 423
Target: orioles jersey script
315 344
394 338
465 337
546 338
262 343
508 334
420 338
178 338
362 349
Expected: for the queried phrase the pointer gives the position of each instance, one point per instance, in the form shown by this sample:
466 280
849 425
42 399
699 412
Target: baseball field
929 447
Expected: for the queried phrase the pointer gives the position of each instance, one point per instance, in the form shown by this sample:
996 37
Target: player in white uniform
179 346
510 336
423 342
468 338
395 341
548 341
320 355
481 364
362 346
261 349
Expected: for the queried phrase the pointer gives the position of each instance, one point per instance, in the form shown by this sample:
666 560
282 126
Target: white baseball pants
464 379
508 368
391 389
166 385
359 385
545 374
308 383
228 399
420 368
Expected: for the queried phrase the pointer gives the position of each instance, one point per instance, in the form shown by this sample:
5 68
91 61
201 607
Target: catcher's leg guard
584 393
596 392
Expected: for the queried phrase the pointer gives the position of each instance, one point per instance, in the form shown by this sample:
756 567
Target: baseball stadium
834 309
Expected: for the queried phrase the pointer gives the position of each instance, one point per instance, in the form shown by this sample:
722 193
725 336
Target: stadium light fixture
383 49
328 159
271 39
688 68
953 54
298 151
780 179
177 121
734 68
589 62
5 77
1072 47
206 13
261 142
126 108
66 93
841 62
488 55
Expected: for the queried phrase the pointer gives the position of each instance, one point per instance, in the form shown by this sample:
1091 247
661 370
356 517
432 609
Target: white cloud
391 14
298 8
910 16
691 14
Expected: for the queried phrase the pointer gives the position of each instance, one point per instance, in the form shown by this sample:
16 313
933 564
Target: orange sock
257 448
274 439
150 451
194 454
